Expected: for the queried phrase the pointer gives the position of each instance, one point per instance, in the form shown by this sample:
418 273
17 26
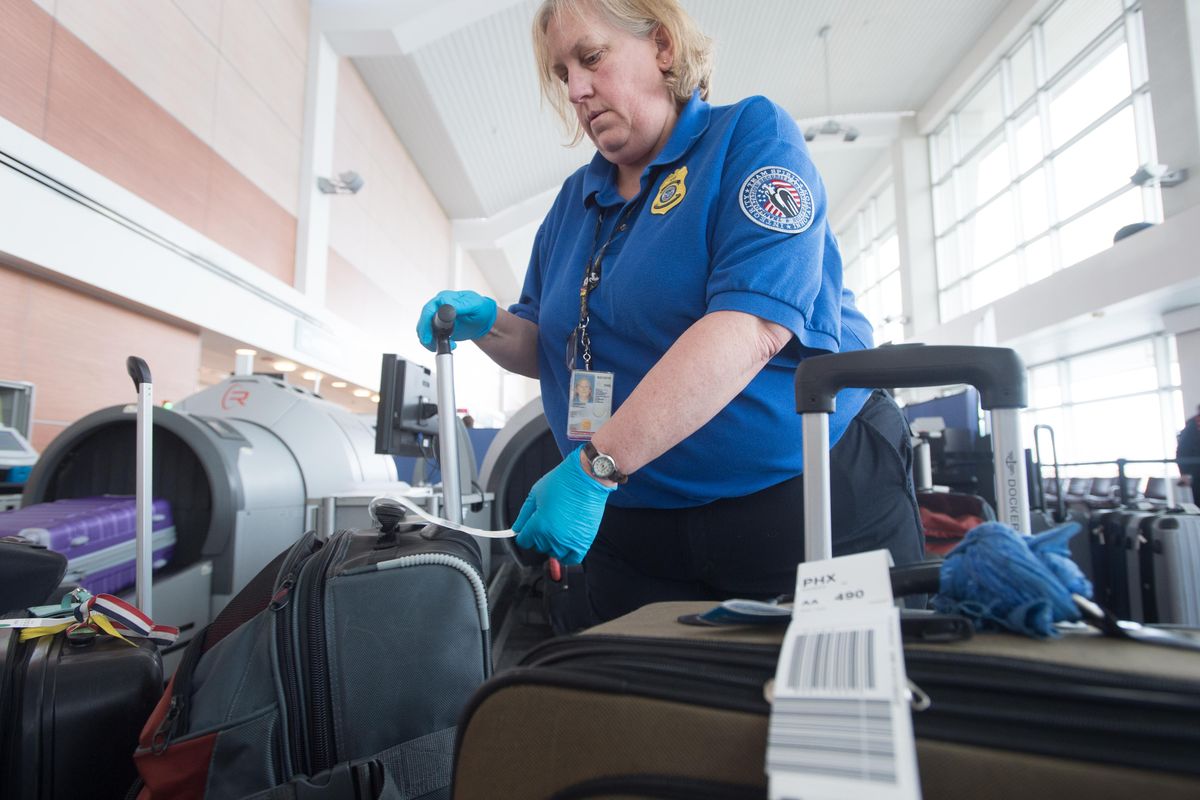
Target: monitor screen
9 441
406 420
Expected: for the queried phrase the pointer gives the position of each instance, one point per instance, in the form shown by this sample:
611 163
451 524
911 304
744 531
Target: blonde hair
690 70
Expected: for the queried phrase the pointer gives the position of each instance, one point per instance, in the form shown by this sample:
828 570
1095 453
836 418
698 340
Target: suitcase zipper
684 671
281 600
321 750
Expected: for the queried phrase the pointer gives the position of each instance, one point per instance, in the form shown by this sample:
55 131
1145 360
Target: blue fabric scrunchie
999 579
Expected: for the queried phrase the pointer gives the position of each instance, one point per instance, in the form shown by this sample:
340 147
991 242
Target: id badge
590 405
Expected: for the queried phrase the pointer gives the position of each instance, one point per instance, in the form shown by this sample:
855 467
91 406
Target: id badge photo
590 403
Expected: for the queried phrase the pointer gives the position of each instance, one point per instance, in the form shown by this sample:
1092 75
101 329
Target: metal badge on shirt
591 403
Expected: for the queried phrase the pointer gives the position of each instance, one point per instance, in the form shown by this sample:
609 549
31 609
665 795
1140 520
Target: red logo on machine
235 394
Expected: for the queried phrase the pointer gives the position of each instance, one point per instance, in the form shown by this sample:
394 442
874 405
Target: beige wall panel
242 218
252 43
355 102
355 297
291 18
350 153
250 136
390 202
74 349
100 118
25 39
348 226
157 47
205 15
384 260
14 318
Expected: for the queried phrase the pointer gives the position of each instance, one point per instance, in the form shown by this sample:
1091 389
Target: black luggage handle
443 327
997 372
139 370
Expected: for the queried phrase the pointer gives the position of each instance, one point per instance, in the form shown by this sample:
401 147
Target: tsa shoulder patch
777 199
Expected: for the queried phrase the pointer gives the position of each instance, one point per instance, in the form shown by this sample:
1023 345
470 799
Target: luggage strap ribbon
102 613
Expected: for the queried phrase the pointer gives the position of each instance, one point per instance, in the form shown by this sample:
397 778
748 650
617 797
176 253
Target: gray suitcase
1171 559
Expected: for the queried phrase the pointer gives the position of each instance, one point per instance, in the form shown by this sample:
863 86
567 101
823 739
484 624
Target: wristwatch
602 465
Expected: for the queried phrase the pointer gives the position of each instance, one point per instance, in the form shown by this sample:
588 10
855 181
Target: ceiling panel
466 104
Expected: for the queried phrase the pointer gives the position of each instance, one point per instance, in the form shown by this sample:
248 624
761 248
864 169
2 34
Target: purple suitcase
96 534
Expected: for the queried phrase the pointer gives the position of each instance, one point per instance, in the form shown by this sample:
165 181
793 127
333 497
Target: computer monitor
15 450
406 420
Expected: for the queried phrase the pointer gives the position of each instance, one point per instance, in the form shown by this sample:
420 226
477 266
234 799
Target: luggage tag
590 404
841 725
742 612
64 609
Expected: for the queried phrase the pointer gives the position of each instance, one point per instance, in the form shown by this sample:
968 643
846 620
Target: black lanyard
591 279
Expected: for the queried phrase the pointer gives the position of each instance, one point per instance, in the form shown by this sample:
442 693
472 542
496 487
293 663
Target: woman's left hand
563 511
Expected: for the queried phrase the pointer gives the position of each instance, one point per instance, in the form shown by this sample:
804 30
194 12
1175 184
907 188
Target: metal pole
922 465
443 330
448 437
1008 458
818 520
145 496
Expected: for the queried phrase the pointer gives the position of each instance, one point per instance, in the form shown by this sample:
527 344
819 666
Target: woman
583 390
697 241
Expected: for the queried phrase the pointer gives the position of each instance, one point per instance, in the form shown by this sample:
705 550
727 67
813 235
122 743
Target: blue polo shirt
730 216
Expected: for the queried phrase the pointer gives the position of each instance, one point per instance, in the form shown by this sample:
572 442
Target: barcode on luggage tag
822 734
839 661
833 738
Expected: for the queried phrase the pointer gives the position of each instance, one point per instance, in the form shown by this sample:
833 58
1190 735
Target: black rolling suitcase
29 572
72 703
647 707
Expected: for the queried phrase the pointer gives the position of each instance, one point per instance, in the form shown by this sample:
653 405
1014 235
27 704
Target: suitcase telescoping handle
144 557
443 327
997 372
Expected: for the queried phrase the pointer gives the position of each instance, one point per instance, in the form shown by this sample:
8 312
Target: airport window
1031 171
870 250
1119 402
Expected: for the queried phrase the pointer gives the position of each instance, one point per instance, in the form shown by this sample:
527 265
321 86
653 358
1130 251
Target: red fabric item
180 772
943 532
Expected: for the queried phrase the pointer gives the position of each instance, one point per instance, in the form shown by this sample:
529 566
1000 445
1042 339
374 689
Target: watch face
603 466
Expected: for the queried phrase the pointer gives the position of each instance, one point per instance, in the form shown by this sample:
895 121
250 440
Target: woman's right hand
475 316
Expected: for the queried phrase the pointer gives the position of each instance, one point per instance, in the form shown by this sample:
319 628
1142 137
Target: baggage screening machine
247 465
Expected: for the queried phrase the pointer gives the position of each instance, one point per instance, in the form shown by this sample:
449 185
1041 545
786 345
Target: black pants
749 546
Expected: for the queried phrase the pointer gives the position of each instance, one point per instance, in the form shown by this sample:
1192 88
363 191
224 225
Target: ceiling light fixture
284 366
311 375
830 127
338 384
374 398
348 182
361 393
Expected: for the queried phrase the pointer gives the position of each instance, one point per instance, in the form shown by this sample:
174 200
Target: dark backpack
340 669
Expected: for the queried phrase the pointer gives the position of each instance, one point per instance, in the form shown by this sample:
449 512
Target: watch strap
591 453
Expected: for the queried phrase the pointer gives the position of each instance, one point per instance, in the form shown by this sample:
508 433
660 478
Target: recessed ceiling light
310 375
338 384
374 398
361 393
246 351
284 366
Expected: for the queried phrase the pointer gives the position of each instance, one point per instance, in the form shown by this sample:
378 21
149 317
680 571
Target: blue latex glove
476 315
562 513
